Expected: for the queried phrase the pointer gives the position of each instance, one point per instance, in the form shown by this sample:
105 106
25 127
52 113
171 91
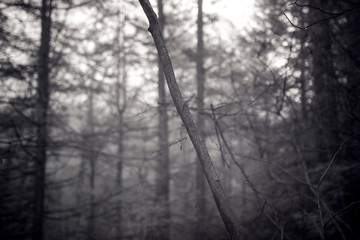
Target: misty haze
179 120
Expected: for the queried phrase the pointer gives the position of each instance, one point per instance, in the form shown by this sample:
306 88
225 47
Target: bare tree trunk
325 88
304 111
351 123
162 230
41 109
121 106
119 181
92 161
325 102
194 134
200 181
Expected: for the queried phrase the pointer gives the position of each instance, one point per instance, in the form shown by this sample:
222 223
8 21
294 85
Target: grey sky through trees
92 145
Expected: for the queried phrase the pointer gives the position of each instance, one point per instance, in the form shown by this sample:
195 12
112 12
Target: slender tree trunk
207 166
303 90
92 161
121 106
41 109
119 180
325 85
200 181
351 122
163 178
325 99
119 177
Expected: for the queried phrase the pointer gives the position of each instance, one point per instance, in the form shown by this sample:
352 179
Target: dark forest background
91 146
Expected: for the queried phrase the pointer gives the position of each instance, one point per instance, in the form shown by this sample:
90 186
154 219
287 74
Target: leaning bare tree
206 163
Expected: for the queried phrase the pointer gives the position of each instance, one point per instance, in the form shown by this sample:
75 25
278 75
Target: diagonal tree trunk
207 166
42 112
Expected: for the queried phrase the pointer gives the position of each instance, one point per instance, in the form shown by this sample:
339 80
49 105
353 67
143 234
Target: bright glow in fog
237 12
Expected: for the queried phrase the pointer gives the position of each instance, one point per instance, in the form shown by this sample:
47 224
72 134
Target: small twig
261 212
332 15
242 170
218 136
319 207
20 140
341 211
159 152
310 25
329 166
313 7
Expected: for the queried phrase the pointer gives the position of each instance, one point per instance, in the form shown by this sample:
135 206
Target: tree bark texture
42 110
191 128
200 181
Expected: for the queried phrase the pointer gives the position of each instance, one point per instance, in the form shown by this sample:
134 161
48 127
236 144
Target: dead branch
206 163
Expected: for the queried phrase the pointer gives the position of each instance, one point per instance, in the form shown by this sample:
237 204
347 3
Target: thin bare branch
329 166
341 211
332 15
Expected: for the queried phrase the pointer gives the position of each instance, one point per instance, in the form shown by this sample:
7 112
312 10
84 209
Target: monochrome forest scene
179 120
